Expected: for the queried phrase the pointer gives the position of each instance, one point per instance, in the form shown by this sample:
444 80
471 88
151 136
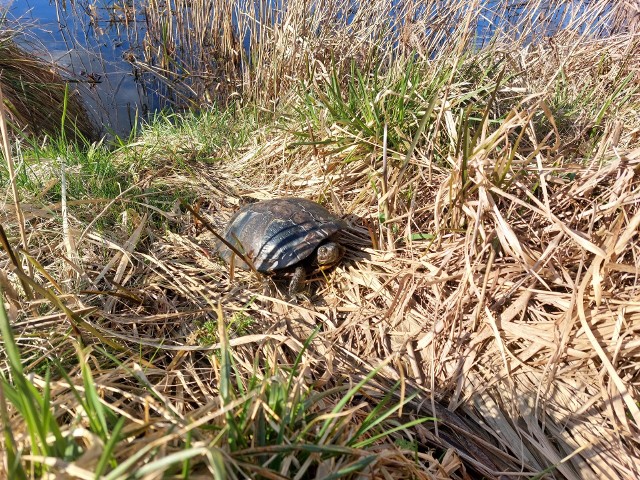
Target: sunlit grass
490 279
262 420
37 98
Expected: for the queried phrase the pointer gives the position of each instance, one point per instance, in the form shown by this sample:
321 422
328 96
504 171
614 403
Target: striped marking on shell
278 233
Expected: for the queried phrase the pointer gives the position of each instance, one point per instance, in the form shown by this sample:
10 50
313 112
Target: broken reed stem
6 150
66 233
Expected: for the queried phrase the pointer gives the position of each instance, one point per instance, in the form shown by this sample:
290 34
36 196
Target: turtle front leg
297 281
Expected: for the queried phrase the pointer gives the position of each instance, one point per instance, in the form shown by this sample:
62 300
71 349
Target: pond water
89 40
92 39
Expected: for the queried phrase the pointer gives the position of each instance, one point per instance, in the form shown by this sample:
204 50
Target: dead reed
38 99
491 279
258 51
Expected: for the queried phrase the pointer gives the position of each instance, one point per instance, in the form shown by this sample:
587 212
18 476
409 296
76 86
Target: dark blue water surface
93 38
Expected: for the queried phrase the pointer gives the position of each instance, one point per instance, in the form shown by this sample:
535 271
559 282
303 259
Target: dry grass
258 51
37 96
521 314
492 269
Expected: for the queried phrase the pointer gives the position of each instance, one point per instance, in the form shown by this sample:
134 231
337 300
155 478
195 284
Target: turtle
284 233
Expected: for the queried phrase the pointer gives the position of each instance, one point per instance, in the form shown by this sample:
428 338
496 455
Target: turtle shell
276 234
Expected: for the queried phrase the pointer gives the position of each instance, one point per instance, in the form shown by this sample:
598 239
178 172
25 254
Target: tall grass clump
37 98
484 321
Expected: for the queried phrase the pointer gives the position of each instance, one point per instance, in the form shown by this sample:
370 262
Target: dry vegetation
491 280
36 94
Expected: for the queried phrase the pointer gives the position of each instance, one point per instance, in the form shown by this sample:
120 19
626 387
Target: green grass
180 139
265 418
456 173
36 410
97 173
240 324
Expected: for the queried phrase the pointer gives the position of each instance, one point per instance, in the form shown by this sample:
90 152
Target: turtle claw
268 289
297 281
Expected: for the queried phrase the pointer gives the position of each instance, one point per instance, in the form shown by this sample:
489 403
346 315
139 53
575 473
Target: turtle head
328 254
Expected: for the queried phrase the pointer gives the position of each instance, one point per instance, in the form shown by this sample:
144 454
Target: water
91 39
89 42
